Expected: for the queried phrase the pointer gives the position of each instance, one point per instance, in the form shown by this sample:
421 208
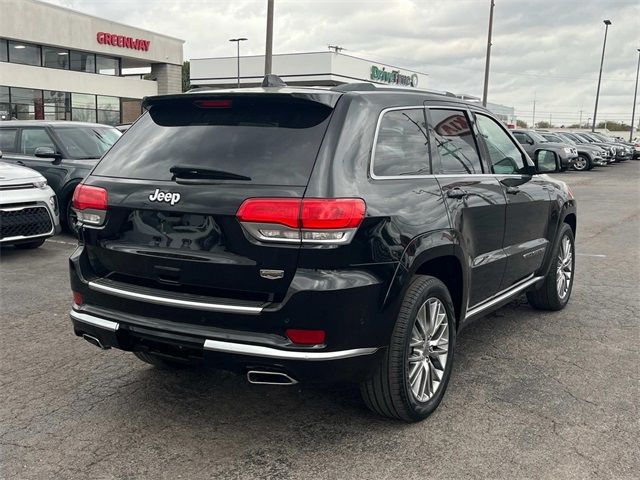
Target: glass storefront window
83 62
108 117
83 115
83 100
25 53
26 104
107 65
55 58
108 103
4 54
57 105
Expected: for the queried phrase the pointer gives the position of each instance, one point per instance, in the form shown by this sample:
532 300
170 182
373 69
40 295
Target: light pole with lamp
604 45
238 40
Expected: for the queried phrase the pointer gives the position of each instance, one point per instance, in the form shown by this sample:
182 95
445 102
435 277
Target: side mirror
547 161
46 152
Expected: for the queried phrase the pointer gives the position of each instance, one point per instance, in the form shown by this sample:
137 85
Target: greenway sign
393 77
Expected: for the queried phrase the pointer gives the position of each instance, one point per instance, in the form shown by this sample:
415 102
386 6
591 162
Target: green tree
186 76
521 124
543 124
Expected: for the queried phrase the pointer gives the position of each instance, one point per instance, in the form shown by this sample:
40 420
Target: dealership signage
123 41
393 77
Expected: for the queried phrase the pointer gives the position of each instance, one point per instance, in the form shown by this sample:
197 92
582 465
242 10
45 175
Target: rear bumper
346 304
235 351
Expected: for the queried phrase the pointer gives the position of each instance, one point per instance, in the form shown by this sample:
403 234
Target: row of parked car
41 163
579 150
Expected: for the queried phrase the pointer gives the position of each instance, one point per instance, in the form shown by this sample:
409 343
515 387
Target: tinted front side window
454 141
505 156
269 141
33 138
402 146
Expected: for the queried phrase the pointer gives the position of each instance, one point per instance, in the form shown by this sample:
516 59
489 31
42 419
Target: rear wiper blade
193 173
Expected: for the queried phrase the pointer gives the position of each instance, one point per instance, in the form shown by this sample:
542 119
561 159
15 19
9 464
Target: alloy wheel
428 349
564 274
580 163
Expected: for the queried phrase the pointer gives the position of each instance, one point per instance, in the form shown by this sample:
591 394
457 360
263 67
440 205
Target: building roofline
311 53
66 9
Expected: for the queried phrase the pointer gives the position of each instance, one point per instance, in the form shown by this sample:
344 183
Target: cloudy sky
543 49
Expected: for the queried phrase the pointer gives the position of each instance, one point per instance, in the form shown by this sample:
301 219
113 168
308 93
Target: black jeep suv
308 234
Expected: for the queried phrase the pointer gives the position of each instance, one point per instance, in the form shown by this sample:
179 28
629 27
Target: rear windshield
260 141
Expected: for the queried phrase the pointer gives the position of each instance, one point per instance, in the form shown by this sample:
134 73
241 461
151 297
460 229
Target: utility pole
580 121
635 96
533 122
604 46
268 54
488 60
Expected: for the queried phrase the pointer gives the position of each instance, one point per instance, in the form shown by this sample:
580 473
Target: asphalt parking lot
533 395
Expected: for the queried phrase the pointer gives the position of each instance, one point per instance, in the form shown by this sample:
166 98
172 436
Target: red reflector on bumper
306 337
77 298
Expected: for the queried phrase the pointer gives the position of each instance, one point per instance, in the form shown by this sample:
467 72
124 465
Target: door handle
457 192
513 190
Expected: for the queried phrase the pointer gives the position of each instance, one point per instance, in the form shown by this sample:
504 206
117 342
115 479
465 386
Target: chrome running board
501 296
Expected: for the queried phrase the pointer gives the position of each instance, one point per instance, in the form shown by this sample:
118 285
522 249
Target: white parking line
591 255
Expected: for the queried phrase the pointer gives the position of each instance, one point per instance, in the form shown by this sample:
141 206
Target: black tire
70 217
388 391
165 363
30 245
547 296
583 163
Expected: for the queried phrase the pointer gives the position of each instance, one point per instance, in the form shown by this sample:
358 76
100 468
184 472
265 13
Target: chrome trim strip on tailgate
95 321
268 352
174 302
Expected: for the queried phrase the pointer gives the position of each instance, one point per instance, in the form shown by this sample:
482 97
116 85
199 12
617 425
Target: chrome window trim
268 352
375 142
95 321
174 302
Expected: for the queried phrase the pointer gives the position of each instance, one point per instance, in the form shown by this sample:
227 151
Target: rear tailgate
177 229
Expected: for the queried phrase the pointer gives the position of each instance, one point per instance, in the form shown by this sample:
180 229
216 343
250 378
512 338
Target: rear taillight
329 221
77 298
90 204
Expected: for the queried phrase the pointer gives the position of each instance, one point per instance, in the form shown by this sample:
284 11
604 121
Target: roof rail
368 87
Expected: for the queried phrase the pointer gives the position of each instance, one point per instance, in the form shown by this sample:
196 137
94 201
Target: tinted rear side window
455 142
269 141
402 146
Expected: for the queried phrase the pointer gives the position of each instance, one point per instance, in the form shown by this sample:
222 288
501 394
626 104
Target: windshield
552 138
537 137
603 138
565 138
87 142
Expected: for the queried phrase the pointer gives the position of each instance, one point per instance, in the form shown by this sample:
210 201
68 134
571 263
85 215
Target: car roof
49 123
326 95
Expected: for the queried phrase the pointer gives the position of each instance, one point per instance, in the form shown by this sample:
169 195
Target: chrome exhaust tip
260 377
94 341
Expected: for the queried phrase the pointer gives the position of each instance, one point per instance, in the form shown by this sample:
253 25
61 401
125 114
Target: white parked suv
28 207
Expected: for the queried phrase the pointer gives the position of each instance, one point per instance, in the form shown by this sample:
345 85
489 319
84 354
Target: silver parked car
28 207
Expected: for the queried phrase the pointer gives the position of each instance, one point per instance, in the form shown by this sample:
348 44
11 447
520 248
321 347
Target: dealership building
314 68
59 64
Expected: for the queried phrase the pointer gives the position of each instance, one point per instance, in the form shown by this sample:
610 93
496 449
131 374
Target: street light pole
635 96
268 54
238 40
604 46
486 65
